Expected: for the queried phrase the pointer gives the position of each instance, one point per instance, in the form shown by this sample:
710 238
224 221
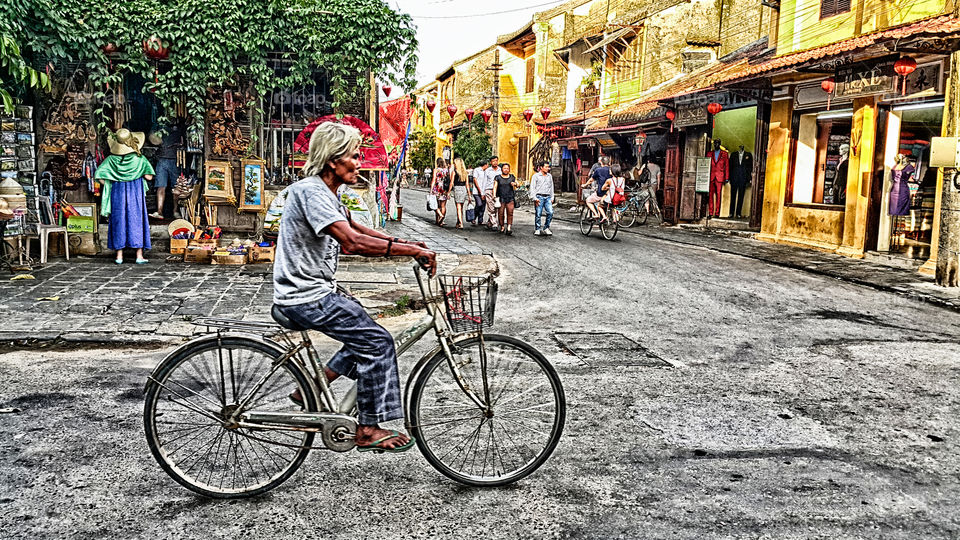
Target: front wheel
503 442
586 220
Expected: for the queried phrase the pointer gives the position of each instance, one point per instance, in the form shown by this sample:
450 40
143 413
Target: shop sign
691 115
927 78
703 175
572 144
857 80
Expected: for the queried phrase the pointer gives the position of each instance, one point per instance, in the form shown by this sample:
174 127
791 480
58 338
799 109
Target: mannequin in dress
900 191
839 187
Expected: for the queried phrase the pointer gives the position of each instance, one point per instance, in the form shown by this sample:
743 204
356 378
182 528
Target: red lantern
451 110
109 48
153 47
486 114
714 108
904 67
545 112
386 89
431 104
527 114
469 114
828 85
670 114
506 115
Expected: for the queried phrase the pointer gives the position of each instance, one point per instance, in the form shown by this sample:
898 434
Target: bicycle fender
212 337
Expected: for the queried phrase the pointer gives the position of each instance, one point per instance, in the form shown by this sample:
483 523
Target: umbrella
373 156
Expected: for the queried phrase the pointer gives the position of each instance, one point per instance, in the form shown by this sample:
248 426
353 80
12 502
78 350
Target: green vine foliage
473 144
15 75
212 43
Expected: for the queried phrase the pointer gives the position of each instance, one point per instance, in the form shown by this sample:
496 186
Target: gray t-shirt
306 256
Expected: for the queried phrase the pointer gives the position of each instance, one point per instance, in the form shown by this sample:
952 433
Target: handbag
432 202
496 203
471 214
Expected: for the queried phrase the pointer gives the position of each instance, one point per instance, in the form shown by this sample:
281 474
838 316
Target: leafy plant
213 43
423 148
399 307
473 143
15 74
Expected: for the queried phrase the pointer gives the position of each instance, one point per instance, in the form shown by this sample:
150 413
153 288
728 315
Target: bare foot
367 435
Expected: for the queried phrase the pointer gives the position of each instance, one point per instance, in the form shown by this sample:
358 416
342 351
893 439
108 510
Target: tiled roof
947 24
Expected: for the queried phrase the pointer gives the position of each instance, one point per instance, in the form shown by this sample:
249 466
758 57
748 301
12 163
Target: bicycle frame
334 410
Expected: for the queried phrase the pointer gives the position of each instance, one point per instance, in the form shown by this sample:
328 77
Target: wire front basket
470 301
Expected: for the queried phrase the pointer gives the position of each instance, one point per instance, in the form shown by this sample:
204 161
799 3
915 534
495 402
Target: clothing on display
741 174
900 192
719 174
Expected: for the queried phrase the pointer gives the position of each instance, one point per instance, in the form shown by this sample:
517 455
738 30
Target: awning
610 39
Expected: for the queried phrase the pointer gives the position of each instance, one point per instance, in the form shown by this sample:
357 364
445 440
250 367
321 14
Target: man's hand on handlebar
428 261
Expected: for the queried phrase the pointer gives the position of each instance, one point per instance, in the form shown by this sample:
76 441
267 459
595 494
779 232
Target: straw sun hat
124 142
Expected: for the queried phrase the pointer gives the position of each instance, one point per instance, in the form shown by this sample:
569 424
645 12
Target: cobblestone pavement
93 299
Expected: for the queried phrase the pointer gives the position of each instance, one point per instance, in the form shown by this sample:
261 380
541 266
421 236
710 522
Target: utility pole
496 67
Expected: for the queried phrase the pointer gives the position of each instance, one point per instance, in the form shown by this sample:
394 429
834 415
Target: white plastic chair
43 231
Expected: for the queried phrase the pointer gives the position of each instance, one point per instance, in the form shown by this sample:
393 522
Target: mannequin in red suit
719 175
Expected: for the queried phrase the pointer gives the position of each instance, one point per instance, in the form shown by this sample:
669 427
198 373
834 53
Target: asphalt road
709 395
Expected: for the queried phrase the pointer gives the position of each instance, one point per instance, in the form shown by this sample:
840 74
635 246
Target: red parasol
373 156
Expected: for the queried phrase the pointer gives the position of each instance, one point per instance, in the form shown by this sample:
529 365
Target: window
629 59
531 74
821 157
829 8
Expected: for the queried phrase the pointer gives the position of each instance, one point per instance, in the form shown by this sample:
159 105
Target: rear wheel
190 399
642 213
500 445
629 215
586 220
610 227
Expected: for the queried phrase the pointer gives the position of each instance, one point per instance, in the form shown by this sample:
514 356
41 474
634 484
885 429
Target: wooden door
671 177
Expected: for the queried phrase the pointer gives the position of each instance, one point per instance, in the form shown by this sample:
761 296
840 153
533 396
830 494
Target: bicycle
521 196
485 409
635 209
608 228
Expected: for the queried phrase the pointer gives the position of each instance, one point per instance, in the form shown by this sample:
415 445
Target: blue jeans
368 354
480 206
545 206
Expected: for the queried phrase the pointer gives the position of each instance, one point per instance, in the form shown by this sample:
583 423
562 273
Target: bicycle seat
283 320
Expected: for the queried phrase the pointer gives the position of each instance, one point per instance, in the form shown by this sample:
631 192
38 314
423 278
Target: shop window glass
820 164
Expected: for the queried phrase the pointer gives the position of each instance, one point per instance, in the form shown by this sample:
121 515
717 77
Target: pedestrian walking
479 179
541 191
506 188
441 187
460 193
489 196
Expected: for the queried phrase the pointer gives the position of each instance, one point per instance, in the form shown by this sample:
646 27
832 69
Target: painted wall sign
703 174
857 80
691 115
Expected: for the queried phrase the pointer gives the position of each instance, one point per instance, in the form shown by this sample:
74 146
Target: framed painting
219 180
87 210
252 198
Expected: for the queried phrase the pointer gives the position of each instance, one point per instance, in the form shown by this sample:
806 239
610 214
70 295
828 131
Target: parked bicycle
485 409
636 209
522 196
608 228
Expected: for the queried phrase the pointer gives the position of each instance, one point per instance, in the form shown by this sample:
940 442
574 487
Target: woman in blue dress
124 175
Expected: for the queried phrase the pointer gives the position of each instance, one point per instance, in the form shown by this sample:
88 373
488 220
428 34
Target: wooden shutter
829 8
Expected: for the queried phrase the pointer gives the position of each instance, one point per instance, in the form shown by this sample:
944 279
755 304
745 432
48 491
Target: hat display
180 225
5 212
125 142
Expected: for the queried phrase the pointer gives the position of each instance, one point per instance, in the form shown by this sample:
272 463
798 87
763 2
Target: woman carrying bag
460 193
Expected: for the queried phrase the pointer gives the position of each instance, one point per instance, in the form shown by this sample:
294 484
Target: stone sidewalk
95 300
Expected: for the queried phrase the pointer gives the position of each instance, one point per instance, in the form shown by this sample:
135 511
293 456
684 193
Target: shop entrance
905 221
737 130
